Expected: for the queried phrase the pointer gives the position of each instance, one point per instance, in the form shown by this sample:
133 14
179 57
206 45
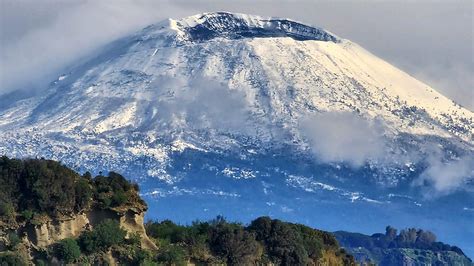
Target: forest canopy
36 187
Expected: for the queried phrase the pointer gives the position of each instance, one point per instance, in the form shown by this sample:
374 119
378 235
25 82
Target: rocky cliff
52 230
43 203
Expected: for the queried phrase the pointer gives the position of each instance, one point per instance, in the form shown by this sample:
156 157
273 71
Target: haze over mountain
233 114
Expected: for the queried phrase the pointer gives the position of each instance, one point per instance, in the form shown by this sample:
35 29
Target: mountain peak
208 26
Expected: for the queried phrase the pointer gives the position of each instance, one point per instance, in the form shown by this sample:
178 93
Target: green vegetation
103 236
33 192
31 189
13 240
407 238
11 258
392 247
264 241
68 250
217 241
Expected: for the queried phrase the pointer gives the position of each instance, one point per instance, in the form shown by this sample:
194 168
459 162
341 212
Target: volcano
241 115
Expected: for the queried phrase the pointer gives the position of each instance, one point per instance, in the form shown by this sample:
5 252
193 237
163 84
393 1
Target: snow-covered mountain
231 106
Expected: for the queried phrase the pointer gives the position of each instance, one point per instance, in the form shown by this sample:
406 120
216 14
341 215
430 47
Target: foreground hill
50 214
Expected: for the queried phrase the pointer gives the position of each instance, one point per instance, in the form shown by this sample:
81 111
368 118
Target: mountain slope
272 115
132 84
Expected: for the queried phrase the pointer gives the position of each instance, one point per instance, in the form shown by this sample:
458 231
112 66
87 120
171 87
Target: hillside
51 214
410 247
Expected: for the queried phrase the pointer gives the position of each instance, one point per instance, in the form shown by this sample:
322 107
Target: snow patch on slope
248 88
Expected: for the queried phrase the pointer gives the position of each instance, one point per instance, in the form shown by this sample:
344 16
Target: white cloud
343 137
443 177
34 58
347 137
203 103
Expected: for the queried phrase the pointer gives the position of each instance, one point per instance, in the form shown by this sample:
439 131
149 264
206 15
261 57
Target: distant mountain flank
212 83
409 247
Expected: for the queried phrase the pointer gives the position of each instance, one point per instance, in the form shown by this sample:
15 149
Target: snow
180 145
234 25
175 191
127 108
309 185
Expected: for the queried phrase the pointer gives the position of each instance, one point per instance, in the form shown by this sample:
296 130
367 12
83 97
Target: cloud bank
344 137
204 104
443 177
65 32
347 137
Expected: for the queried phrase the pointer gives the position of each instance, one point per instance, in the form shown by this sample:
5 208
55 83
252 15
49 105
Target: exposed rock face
54 230
133 223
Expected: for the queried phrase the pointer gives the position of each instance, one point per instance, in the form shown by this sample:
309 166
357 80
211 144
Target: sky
431 40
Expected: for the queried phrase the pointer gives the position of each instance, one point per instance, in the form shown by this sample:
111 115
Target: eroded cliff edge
43 203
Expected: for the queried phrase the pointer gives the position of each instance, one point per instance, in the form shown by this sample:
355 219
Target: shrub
112 190
234 244
141 257
135 239
68 250
172 254
8 258
13 240
167 230
27 214
103 236
109 233
119 198
7 210
40 263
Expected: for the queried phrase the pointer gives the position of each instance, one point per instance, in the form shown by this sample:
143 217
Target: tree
283 242
7 210
83 193
313 241
234 244
426 237
412 235
390 232
167 230
68 250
